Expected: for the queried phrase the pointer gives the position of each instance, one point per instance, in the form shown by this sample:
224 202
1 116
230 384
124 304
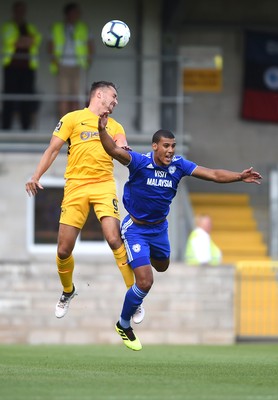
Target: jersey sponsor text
159 182
160 174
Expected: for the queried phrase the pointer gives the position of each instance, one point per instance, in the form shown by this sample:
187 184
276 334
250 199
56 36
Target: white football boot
139 314
63 304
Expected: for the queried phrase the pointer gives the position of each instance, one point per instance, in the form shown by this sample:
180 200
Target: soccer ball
115 34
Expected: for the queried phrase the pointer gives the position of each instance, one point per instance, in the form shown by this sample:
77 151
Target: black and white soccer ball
115 34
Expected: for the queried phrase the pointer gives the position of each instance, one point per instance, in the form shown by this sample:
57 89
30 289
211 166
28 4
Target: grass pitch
240 372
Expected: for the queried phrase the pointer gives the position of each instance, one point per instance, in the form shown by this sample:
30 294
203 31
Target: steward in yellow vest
10 35
20 49
71 49
200 248
80 35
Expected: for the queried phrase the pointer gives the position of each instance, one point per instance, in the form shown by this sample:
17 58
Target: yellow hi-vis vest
81 36
10 34
191 257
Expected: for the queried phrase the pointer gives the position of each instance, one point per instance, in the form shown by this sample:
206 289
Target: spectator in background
20 47
71 49
200 248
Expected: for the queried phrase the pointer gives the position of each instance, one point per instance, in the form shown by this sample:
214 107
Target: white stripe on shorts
124 228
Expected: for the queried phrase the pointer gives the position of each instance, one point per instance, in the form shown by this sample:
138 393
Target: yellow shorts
81 195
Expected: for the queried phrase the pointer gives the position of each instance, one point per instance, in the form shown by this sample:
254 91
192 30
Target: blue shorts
144 242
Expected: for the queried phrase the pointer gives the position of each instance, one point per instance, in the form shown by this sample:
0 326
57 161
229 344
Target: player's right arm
33 184
109 145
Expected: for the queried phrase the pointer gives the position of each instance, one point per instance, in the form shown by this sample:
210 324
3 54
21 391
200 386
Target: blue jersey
150 188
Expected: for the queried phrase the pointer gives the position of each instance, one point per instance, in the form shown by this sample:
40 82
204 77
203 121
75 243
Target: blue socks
133 298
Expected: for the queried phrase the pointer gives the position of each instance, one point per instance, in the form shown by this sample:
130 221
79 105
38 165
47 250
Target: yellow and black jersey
86 157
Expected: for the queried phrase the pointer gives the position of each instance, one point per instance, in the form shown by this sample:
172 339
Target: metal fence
256 300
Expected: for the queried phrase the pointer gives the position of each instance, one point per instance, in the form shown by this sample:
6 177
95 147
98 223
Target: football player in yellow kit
89 182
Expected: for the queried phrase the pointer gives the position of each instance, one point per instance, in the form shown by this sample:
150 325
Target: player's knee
63 252
114 241
145 284
160 266
111 231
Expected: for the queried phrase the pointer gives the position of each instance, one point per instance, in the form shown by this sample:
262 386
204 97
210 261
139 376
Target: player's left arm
226 176
114 149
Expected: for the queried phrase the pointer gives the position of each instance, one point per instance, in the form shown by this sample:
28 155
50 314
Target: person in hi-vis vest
71 50
20 60
200 248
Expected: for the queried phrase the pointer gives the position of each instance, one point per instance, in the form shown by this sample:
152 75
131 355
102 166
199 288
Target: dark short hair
162 133
69 7
100 85
19 4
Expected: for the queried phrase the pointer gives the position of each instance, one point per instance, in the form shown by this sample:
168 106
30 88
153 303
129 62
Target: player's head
162 133
163 144
102 85
103 97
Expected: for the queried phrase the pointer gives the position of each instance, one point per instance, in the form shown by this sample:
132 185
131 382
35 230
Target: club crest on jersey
58 126
172 169
136 248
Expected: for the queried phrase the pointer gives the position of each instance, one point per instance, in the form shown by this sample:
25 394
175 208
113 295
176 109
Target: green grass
241 372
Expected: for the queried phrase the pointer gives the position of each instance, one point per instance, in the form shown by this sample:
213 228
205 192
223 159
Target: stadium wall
187 305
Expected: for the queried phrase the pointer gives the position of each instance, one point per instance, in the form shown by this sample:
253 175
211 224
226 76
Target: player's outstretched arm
226 176
33 184
118 153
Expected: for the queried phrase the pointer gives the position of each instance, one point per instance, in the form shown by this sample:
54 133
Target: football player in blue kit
151 186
